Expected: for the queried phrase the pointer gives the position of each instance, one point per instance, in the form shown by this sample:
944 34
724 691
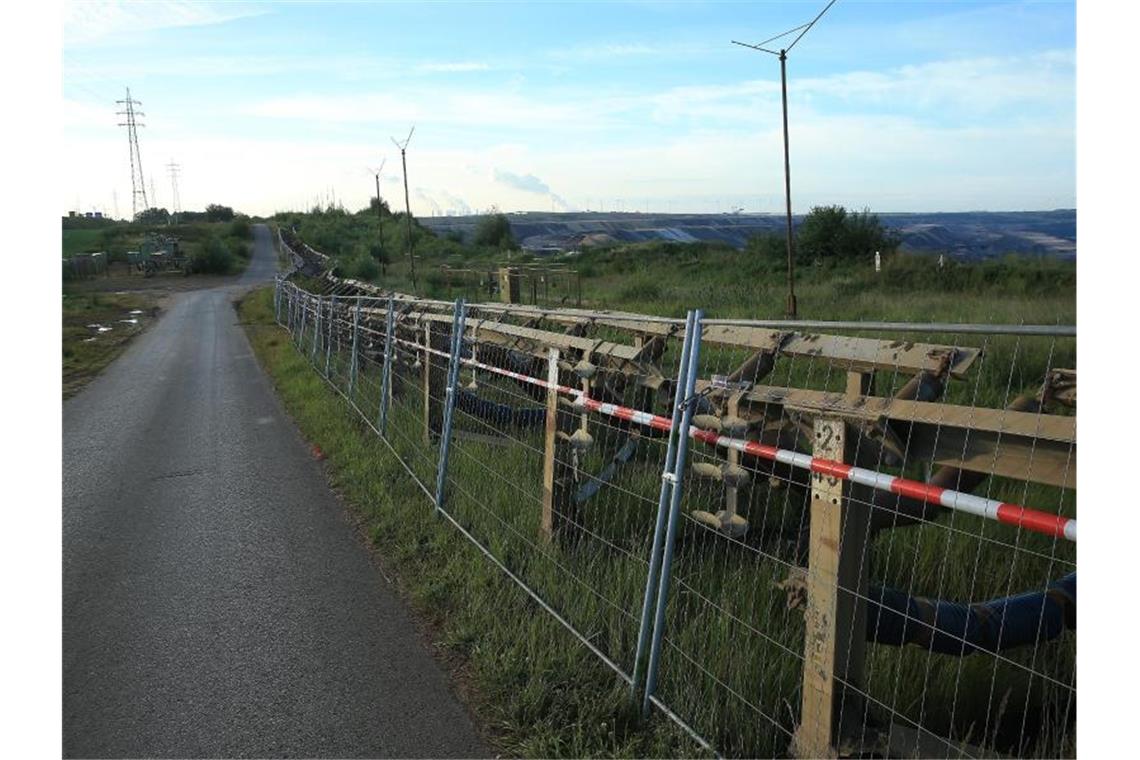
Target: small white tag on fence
721 382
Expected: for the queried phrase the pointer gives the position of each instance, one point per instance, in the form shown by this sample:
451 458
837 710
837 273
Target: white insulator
734 476
708 518
707 470
707 422
734 427
732 524
585 369
581 440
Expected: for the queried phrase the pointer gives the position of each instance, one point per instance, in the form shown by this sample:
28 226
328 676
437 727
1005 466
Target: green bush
239 227
364 267
494 230
212 257
239 248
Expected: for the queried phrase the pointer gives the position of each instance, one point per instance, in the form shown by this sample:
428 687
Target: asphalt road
216 599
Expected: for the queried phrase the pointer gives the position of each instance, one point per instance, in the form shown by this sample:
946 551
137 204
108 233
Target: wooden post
860 383
550 457
836 619
731 494
433 387
509 285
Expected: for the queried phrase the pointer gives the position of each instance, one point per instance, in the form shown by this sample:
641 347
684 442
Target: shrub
364 267
212 257
239 248
239 227
495 231
216 212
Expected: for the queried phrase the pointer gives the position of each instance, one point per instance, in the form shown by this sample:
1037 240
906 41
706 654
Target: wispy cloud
452 67
87 22
626 50
526 182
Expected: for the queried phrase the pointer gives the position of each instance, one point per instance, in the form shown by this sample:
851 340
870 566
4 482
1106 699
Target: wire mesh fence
788 541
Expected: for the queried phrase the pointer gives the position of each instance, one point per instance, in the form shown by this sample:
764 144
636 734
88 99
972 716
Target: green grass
729 628
81 241
536 690
731 664
86 351
117 238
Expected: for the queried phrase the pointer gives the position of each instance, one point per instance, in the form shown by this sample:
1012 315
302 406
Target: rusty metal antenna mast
138 186
407 203
380 214
782 54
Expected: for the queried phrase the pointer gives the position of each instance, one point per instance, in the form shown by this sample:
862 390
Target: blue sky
895 106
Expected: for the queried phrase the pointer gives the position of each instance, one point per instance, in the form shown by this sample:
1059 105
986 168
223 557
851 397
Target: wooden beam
550 450
1040 448
835 618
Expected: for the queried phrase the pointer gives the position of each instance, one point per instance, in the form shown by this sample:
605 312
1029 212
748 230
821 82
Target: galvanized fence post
277 299
289 311
386 381
457 324
317 330
301 331
328 345
653 575
677 479
353 361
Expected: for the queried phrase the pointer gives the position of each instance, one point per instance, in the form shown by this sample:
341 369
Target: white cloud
456 66
92 21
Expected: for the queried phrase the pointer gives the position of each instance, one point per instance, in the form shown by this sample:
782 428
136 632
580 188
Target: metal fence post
328 344
301 331
289 311
317 330
277 299
386 381
457 324
659 527
674 512
354 361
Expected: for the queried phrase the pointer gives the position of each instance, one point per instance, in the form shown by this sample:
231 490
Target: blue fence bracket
328 344
354 361
317 330
386 382
653 576
677 481
457 324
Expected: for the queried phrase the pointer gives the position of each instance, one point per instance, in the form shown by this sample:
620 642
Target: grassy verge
538 692
86 348
731 665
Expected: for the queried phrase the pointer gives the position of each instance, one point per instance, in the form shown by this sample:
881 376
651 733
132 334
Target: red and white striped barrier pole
1010 514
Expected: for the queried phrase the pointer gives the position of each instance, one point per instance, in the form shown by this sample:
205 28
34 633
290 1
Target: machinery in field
160 253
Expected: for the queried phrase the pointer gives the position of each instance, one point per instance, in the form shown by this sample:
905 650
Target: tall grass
732 662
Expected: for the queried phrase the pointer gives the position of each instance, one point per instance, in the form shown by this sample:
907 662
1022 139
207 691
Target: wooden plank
860 383
561 341
1039 448
835 618
846 352
550 449
426 370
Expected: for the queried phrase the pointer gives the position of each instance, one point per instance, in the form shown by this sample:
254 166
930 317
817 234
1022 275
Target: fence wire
932 605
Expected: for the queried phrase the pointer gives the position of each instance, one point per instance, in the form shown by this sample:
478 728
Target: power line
782 54
138 185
